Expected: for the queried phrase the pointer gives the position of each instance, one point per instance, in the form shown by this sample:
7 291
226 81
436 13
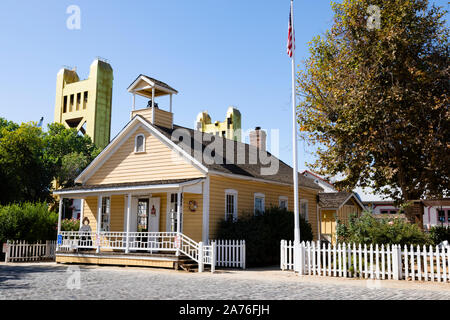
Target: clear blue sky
215 53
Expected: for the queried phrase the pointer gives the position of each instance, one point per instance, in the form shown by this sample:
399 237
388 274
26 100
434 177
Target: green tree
24 176
375 101
67 153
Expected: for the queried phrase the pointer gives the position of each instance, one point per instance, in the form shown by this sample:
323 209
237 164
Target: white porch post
128 223
178 220
134 101
205 221
153 105
99 221
60 213
81 212
170 103
200 257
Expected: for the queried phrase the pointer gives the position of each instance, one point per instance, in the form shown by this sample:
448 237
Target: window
142 215
85 99
283 202
72 97
106 213
78 100
259 203
65 104
230 204
304 209
173 207
139 145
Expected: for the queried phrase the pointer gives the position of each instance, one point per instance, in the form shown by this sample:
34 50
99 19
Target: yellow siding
162 118
117 213
158 162
193 221
245 202
346 210
90 211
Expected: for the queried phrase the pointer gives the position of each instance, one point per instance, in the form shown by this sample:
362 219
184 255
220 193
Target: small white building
326 185
436 213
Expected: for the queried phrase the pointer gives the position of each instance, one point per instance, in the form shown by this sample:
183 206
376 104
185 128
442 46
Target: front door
153 222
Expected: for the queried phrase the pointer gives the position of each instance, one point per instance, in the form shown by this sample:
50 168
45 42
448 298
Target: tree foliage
31 159
375 101
263 233
369 230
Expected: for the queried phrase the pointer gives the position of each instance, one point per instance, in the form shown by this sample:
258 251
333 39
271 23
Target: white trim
120 139
235 205
151 83
283 198
107 152
127 189
143 143
242 177
261 196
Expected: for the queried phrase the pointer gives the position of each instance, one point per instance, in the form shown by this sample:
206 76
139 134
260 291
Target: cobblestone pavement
52 281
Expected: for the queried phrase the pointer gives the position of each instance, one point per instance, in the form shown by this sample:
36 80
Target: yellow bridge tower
86 105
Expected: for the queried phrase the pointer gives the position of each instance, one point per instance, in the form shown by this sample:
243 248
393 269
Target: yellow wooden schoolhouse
158 191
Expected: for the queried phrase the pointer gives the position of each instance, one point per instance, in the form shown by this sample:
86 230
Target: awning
82 191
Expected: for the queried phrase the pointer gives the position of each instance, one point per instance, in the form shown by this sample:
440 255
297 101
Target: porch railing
139 241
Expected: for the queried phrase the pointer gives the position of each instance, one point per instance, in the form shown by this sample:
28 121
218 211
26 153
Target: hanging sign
5 248
59 239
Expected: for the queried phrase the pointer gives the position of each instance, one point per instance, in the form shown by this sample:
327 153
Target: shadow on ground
11 274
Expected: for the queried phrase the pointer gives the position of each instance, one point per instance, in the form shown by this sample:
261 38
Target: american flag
290 42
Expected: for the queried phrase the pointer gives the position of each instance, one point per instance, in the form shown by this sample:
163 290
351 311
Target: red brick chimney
258 138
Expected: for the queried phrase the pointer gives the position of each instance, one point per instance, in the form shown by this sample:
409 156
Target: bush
439 234
263 233
70 225
369 230
27 221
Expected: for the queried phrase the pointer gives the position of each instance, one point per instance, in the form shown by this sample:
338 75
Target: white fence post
301 258
243 254
200 256
213 257
397 262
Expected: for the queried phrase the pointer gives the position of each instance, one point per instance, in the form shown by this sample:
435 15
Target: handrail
153 241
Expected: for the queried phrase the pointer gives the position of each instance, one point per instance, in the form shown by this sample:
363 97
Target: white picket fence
230 253
21 251
425 263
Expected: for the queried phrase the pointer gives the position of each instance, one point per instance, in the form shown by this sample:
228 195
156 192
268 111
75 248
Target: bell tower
86 104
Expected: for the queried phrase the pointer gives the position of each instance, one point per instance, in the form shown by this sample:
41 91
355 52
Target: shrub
369 230
27 221
439 234
263 233
70 225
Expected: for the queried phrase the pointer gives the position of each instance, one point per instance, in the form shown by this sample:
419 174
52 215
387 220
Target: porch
158 223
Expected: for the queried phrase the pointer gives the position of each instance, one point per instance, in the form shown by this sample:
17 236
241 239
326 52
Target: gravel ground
56 281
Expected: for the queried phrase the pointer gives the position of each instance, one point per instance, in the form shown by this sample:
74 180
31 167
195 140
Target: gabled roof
318 177
153 83
122 136
335 200
186 149
230 163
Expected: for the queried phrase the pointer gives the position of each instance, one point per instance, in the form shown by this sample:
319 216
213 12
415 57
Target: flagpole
294 149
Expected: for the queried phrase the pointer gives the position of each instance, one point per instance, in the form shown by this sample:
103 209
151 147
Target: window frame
283 198
234 193
304 201
259 195
106 211
143 143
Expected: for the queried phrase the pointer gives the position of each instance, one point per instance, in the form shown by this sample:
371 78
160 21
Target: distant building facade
229 129
86 104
